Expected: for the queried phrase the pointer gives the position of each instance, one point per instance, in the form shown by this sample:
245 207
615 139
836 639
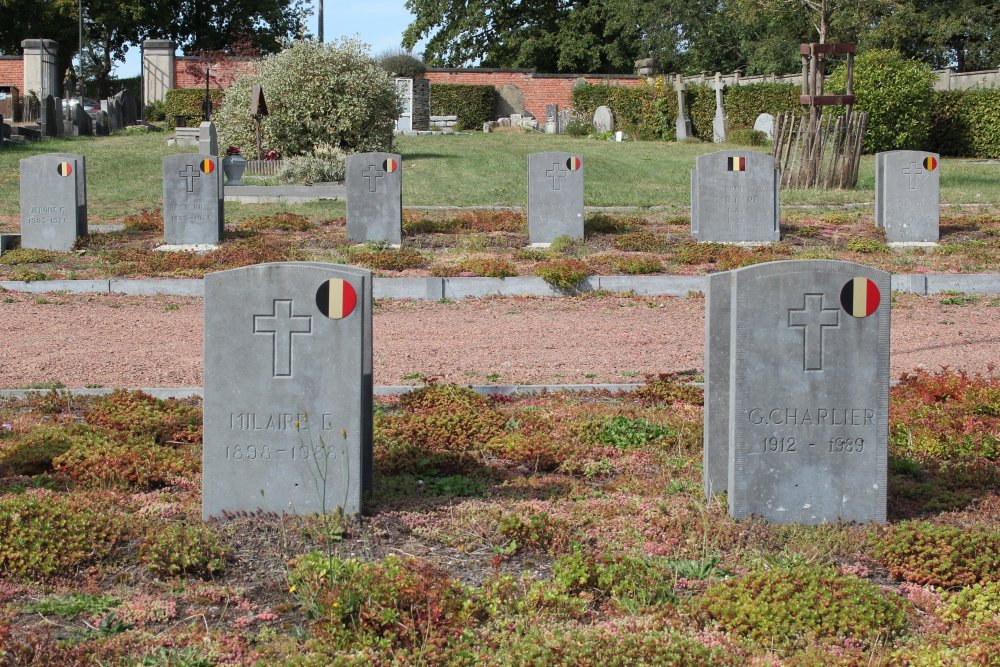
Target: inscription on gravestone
375 197
555 196
192 206
907 196
285 359
734 198
52 201
808 395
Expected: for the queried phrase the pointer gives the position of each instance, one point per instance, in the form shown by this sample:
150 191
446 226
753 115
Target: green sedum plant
180 549
565 274
937 555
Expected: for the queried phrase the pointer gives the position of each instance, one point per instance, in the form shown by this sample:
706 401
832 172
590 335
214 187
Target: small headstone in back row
765 124
604 119
285 350
734 198
53 201
375 197
192 206
908 196
808 391
555 196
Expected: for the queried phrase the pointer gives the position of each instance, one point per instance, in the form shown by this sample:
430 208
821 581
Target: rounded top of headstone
765 124
604 119
579 82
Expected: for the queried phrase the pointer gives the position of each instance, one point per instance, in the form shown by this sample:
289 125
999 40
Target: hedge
188 102
745 103
966 123
473 104
639 111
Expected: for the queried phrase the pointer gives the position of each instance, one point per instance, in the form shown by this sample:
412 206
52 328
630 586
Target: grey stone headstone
81 188
765 123
50 201
683 122
102 125
48 120
720 124
82 126
192 209
509 101
734 198
908 196
809 392
604 119
375 197
715 459
555 196
552 119
285 389
58 117
208 138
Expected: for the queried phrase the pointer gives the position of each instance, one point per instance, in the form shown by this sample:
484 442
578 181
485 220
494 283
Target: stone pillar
157 69
41 69
720 124
683 122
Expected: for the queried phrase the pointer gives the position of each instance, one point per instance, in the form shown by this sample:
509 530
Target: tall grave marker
192 204
53 201
734 198
375 197
285 351
808 394
555 196
908 196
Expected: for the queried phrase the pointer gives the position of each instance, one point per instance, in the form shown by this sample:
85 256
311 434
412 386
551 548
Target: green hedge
745 103
640 111
187 102
966 123
473 104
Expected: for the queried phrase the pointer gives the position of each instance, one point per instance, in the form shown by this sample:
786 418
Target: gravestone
285 350
193 211
683 122
509 100
53 195
58 117
552 119
908 196
208 139
82 126
48 120
809 391
102 125
715 457
604 119
734 198
555 196
375 197
765 123
720 124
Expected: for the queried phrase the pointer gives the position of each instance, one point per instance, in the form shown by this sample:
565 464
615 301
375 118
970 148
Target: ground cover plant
561 529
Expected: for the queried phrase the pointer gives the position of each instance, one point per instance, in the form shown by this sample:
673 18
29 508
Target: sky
379 23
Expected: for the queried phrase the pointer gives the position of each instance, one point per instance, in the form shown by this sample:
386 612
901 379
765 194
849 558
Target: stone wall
12 71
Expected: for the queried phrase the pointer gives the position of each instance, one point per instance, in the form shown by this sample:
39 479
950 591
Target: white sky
379 23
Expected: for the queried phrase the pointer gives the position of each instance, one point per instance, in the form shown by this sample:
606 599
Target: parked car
88 104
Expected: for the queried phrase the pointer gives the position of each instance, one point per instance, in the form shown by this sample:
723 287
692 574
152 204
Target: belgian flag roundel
64 169
930 162
336 298
574 163
207 166
390 166
860 297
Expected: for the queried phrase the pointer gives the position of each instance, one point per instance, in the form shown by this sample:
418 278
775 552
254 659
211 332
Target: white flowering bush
332 95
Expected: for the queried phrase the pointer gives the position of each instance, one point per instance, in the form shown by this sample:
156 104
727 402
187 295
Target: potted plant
234 165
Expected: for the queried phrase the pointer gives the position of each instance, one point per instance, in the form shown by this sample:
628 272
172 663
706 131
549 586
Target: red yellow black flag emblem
574 163
207 166
736 163
64 169
390 166
336 299
930 163
860 297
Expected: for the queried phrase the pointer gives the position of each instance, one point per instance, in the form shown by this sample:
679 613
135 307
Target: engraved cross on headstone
912 171
190 173
812 318
556 173
373 173
281 325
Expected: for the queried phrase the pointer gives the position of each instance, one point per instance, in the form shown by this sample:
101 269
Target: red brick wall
190 73
12 72
538 89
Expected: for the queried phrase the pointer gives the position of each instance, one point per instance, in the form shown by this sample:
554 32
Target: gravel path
111 340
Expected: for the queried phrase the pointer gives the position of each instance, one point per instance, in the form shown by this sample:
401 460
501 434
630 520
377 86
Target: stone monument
908 196
193 210
53 201
375 197
555 196
734 198
720 124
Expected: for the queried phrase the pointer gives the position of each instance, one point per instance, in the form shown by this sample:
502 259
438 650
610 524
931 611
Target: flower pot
234 166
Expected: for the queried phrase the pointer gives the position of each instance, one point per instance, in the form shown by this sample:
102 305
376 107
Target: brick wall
12 72
190 73
538 89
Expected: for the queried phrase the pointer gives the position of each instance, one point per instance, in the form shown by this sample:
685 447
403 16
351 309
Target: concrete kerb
435 289
386 390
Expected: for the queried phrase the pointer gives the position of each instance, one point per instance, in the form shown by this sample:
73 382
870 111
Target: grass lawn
557 530
461 170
